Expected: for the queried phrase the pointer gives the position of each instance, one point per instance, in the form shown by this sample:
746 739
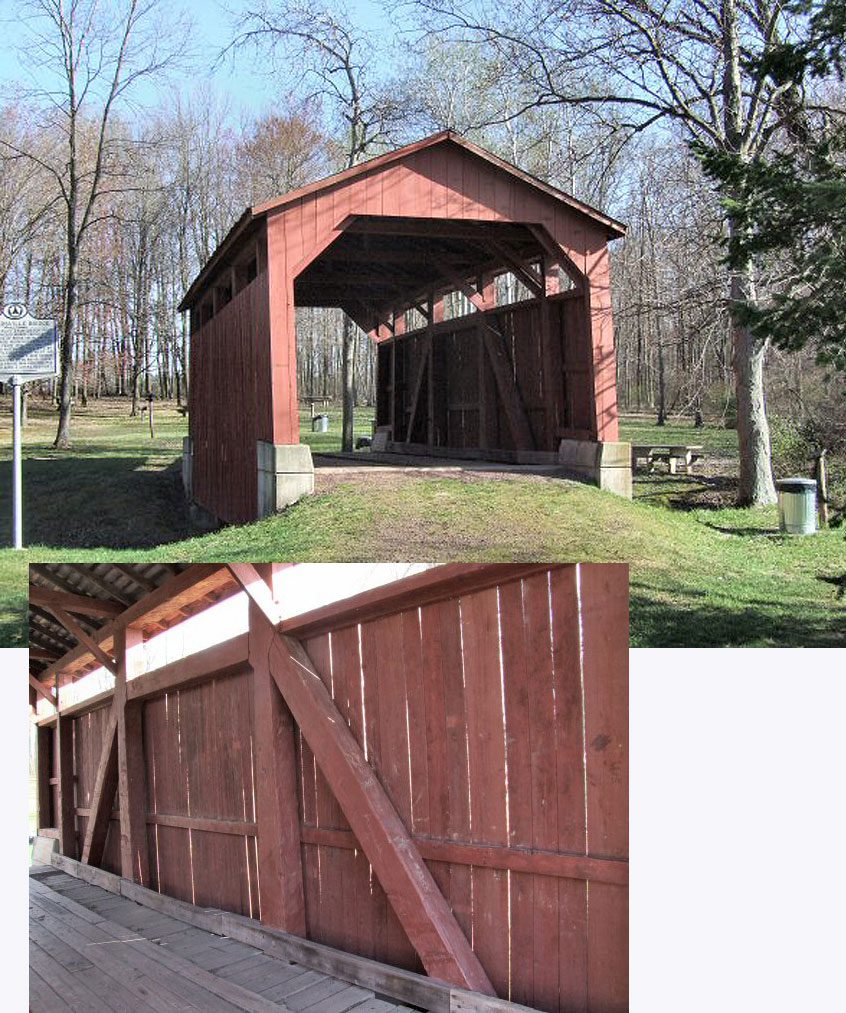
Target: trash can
320 424
797 505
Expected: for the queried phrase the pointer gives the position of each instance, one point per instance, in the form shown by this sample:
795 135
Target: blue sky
249 90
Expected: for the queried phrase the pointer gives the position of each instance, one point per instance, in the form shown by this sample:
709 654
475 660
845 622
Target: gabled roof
614 229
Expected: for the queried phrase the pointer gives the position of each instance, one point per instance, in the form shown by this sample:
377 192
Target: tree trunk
349 384
66 352
756 486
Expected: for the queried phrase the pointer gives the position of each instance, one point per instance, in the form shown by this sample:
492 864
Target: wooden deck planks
93 950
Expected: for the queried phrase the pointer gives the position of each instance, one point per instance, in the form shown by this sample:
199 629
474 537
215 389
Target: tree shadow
79 502
747 531
697 619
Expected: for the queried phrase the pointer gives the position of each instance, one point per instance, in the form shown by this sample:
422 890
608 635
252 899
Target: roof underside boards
99 595
242 228
386 262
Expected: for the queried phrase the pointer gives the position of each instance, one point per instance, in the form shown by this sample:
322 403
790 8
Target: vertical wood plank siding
230 398
475 712
497 722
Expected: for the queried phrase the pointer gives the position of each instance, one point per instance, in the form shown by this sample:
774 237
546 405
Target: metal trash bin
320 424
797 505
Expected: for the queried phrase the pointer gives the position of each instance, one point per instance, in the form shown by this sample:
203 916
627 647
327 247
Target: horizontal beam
221 659
435 584
79 603
438 228
40 654
526 860
236 828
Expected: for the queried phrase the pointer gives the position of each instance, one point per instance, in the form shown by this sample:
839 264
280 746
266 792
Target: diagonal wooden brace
420 906
105 786
418 903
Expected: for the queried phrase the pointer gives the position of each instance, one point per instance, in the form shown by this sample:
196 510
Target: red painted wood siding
477 714
230 403
198 749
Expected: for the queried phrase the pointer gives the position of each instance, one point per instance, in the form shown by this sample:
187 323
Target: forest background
132 136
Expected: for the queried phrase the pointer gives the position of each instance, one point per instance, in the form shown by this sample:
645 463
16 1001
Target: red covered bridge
486 289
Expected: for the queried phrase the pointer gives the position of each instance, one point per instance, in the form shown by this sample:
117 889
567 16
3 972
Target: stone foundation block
285 475
608 465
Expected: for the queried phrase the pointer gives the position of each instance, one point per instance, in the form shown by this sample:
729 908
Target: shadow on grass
745 532
686 492
14 624
679 617
93 502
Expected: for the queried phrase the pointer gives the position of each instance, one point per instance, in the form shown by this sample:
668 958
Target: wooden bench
677 457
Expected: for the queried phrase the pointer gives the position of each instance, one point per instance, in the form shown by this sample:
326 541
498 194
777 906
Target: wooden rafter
194 582
420 906
53 578
75 630
39 654
523 269
78 603
136 578
104 586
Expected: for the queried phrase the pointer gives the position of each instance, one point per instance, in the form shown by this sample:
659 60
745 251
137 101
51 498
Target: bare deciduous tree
88 60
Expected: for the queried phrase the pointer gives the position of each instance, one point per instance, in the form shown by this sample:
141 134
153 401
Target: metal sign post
29 350
17 483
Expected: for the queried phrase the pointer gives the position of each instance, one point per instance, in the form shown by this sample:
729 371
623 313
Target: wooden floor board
95 950
279 993
162 980
315 994
345 999
42 997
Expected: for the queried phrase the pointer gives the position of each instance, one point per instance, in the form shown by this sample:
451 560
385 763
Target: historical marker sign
29 348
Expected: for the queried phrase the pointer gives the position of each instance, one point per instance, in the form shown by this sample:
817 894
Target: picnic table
677 456
312 401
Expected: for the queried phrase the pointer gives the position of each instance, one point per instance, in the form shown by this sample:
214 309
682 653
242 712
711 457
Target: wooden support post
105 786
66 816
132 784
394 428
430 389
422 370
43 742
822 488
552 379
281 896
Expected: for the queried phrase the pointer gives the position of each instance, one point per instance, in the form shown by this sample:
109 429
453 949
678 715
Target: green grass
699 577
